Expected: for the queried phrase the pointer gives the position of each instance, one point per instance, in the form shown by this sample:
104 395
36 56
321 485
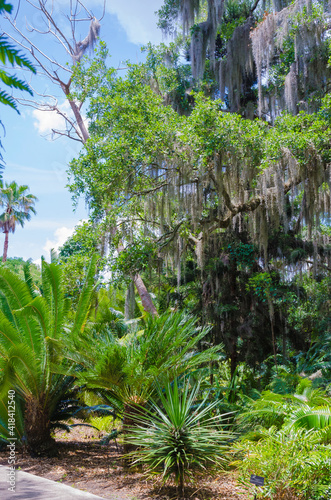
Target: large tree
60 73
17 206
211 182
280 47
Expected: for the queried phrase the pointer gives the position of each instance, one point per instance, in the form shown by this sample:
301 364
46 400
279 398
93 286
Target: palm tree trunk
129 422
5 247
37 428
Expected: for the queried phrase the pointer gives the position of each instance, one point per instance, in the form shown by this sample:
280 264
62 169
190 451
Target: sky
31 157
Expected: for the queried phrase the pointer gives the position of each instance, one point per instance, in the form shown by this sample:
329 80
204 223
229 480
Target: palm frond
84 302
310 418
9 53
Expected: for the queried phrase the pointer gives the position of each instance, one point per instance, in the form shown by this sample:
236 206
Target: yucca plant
178 439
33 328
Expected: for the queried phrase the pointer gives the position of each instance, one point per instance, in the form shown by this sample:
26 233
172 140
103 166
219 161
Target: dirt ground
89 466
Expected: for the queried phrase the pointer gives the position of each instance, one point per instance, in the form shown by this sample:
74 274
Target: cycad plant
126 370
33 329
178 438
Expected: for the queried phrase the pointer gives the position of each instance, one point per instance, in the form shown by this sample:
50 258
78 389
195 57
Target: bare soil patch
85 464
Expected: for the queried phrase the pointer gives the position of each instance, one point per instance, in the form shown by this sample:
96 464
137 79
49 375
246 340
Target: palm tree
33 327
18 205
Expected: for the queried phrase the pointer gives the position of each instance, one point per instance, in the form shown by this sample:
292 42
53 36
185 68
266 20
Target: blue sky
32 158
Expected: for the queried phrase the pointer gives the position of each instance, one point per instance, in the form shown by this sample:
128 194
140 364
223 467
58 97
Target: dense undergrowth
179 411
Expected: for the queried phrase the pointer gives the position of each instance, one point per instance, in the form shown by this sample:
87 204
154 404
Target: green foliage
33 329
176 438
168 14
293 461
75 256
290 445
21 267
9 54
107 313
128 368
309 313
135 258
243 253
262 284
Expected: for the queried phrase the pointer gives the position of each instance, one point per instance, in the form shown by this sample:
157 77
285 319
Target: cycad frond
13 82
8 100
54 296
29 281
19 418
310 418
8 336
84 302
23 372
14 289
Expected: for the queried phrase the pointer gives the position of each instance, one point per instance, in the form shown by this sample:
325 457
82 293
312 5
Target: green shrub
293 461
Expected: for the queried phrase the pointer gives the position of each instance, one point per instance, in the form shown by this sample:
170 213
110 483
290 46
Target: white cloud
61 234
46 121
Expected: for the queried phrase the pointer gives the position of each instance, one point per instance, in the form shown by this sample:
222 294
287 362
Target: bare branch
65 134
32 48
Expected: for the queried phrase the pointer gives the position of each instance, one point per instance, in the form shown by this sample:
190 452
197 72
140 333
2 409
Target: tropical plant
9 54
33 329
295 464
126 370
178 438
290 444
18 205
278 409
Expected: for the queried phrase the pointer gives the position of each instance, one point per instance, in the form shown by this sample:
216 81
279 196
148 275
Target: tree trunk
5 247
130 302
79 119
146 299
37 428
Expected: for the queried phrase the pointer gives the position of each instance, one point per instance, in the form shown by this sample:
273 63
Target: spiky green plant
33 327
178 439
126 370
